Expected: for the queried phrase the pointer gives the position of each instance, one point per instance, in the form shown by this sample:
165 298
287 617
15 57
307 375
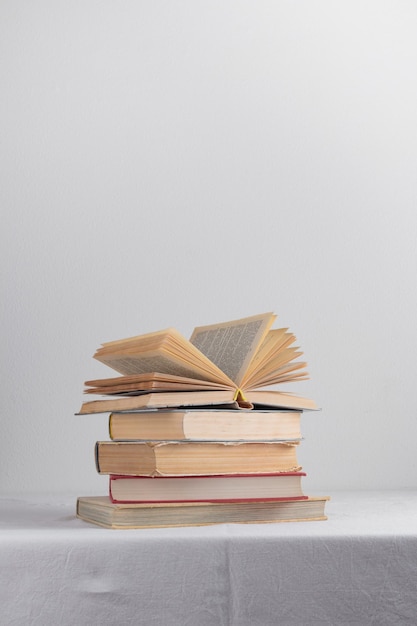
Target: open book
230 362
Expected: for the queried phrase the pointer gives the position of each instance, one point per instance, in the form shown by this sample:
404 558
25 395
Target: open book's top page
232 345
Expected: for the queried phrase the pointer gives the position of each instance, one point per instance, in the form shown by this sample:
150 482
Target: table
358 567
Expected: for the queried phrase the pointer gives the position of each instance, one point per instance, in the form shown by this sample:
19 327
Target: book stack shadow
187 451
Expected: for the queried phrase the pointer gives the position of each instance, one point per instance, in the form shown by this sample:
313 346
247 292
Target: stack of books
194 438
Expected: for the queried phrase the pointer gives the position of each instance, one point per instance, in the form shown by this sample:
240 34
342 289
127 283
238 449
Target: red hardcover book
224 488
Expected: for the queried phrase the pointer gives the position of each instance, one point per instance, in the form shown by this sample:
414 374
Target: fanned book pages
222 364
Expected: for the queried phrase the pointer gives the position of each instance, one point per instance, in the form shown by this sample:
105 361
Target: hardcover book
139 489
208 425
101 511
179 458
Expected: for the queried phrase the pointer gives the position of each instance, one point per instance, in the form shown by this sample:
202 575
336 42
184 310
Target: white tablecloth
358 567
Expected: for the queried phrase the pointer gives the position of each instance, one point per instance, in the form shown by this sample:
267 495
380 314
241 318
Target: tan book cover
101 511
206 425
175 458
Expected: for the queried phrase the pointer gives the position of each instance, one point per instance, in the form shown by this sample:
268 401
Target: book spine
96 457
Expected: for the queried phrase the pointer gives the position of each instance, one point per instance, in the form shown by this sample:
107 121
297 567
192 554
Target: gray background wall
182 163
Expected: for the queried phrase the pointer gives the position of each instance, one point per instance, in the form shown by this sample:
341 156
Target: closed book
101 511
139 489
209 425
176 458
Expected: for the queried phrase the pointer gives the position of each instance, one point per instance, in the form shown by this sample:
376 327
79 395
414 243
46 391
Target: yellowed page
232 345
129 364
165 351
273 369
149 381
